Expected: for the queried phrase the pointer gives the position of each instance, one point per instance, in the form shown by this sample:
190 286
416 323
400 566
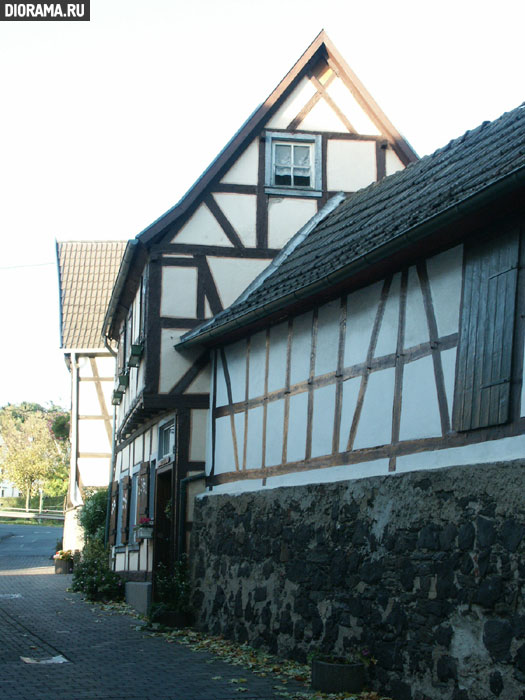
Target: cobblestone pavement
105 656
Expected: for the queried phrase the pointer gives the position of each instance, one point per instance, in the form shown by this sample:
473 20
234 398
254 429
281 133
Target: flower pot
144 533
332 677
63 566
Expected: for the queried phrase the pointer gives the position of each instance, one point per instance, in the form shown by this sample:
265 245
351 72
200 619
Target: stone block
138 595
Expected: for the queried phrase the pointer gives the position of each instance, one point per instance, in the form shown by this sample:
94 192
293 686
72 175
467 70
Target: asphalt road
27 541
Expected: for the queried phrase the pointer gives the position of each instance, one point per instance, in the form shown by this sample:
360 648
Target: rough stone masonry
426 569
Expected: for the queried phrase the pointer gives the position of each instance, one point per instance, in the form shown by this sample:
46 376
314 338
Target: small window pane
301 156
284 177
283 155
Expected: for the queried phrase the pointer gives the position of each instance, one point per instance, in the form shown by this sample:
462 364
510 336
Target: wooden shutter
486 333
126 492
113 514
143 491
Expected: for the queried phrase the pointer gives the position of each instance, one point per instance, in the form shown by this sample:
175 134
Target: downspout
111 477
182 507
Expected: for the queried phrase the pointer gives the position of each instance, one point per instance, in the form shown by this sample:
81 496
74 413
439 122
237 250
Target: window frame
166 456
273 138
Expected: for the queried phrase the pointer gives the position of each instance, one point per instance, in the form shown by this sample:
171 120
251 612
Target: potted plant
63 561
144 529
172 595
341 674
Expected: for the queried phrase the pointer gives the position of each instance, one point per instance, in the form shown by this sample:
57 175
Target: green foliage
92 575
92 516
34 452
172 587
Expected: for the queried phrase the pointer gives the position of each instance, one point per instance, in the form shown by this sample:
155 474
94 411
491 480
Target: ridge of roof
384 215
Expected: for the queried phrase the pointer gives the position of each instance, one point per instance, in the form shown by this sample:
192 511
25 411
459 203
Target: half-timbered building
318 133
86 272
384 345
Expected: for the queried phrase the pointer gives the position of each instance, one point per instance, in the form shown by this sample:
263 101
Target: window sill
292 192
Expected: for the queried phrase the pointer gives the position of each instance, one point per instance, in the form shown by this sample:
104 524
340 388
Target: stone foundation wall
426 569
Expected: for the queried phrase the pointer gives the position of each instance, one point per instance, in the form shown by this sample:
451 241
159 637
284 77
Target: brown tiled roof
86 273
382 218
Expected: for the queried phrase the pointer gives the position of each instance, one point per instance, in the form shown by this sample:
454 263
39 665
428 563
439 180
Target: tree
34 450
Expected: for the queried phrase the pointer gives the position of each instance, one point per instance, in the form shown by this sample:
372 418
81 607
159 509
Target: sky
105 124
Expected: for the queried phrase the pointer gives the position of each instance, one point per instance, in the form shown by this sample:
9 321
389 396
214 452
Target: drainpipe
111 477
182 507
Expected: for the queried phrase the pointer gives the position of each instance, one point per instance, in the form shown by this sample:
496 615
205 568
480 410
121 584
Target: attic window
293 164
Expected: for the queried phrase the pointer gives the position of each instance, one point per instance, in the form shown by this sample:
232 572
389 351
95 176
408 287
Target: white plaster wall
277 357
120 561
233 276
347 103
254 438
257 364
323 118
419 408
199 421
236 357
94 471
292 105
244 170
361 312
201 383
387 339
173 364
312 476
88 403
351 165
350 394
179 292
202 228
375 424
445 275
480 453
240 210
224 457
221 396
286 215
448 362
297 422
301 348
416 324
274 432
323 420
84 366
392 162
106 366
327 337
93 437
138 450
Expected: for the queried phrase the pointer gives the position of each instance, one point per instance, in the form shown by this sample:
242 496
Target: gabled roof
321 46
86 274
371 224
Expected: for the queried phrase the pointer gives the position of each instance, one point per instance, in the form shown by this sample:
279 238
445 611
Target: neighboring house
319 132
385 344
86 273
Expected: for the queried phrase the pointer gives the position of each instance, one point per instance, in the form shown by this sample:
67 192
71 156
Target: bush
172 587
92 575
92 515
